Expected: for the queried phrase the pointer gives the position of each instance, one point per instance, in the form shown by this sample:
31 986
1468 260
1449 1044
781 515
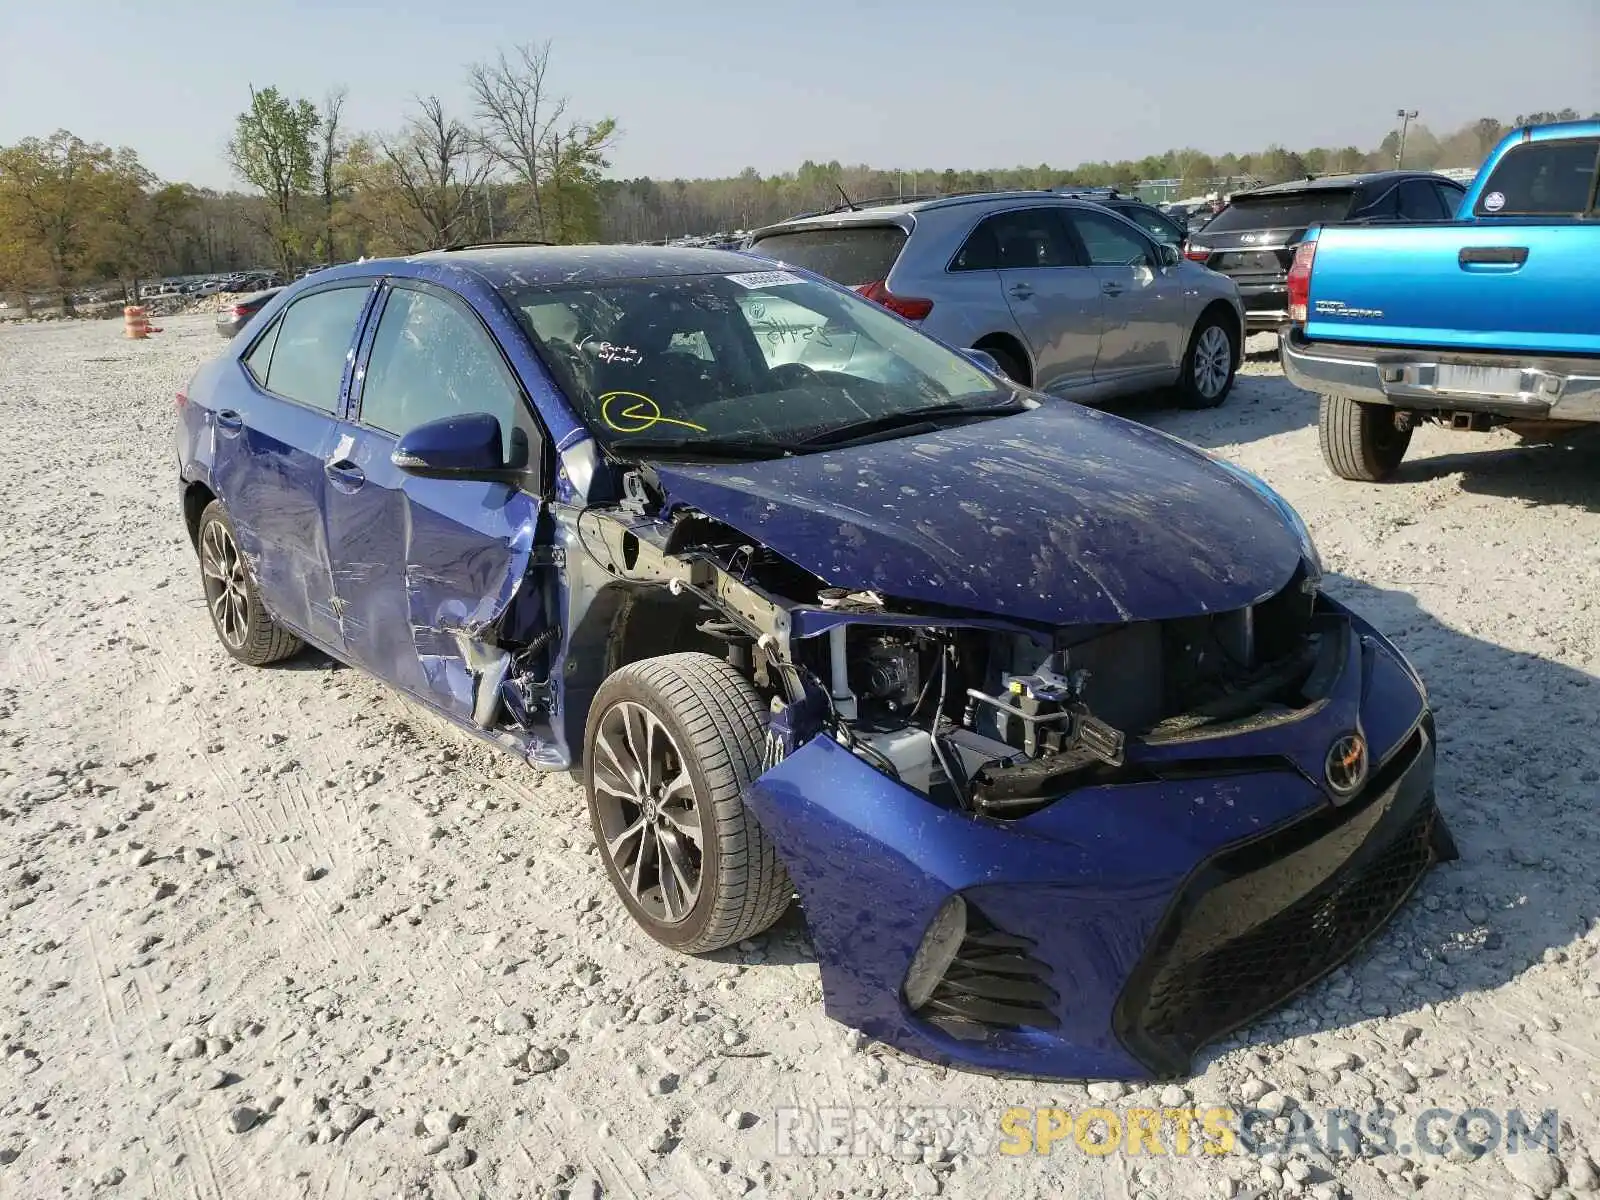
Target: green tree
273 150
55 199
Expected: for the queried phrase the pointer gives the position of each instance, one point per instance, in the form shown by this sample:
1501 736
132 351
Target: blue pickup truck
1491 319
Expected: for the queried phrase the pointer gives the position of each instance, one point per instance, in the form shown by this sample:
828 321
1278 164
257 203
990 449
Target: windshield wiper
927 414
728 449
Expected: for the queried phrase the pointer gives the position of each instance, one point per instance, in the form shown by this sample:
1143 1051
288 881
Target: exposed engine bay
980 714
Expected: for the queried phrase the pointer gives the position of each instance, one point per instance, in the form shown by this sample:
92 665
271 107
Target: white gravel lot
279 933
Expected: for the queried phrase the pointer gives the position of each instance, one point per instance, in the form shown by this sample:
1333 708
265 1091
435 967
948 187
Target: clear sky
707 87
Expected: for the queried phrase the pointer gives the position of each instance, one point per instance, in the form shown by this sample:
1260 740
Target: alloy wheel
1213 358
648 813
222 569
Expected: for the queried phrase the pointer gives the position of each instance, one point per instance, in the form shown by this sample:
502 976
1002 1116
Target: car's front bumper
1534 387
1114 932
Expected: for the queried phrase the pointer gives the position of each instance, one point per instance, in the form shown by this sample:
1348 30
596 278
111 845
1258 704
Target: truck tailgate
1531 286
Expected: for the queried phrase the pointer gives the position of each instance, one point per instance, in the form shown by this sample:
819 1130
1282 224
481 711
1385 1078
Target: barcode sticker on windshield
765 279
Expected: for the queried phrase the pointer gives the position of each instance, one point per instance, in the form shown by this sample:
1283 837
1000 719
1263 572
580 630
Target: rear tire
700 728
1360 442
242 623
1010 366
1210 363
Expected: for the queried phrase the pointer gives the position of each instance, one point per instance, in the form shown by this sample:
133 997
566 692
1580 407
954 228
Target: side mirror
463 447
985 360
1168 254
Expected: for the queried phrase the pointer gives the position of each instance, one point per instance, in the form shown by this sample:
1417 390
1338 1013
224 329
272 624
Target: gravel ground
279 933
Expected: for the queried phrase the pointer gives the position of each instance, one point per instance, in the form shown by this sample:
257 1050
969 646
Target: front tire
1360 442
670 745
1209 364
242 623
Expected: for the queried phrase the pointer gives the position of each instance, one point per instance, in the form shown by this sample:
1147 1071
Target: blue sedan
1043 714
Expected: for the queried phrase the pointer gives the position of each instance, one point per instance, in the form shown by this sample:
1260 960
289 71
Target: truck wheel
1360 441
670 745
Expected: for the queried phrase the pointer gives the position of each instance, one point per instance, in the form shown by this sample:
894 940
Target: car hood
1061 515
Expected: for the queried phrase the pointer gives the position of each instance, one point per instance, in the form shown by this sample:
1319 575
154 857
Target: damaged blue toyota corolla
1042 713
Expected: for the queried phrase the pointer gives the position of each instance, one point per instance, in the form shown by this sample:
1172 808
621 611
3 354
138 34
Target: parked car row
1487 320
1042 713
236 282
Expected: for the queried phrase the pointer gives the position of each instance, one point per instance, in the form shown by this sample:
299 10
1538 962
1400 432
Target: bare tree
519 117
436 169
329 153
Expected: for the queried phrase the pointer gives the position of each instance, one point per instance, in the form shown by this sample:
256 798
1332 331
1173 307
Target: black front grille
1266 920
1222 989
994 983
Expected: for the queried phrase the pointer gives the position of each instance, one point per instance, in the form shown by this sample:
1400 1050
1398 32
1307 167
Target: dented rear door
432 576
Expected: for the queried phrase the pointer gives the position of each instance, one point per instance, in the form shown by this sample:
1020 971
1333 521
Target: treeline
519 165
652 209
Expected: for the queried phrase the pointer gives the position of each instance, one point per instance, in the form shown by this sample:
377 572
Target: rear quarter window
849 254
1283 210
1542 179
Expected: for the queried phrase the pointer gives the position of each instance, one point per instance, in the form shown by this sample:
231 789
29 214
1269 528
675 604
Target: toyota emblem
1346 764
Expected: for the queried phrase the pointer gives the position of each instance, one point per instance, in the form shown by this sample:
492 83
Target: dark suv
1254 238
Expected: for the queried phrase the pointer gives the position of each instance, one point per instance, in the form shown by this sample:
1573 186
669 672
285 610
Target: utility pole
1406 117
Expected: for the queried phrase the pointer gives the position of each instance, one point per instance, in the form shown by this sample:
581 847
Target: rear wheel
670 746
1209 365
1013 367
1361 442
243 626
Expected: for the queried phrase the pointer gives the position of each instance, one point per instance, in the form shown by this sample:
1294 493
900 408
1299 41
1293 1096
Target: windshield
1292 210
763 358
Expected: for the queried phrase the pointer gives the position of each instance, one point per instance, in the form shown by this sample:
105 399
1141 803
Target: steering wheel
790 375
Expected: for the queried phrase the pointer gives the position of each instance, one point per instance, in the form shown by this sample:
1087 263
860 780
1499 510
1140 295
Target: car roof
539 265
542 266
885 214
1341 182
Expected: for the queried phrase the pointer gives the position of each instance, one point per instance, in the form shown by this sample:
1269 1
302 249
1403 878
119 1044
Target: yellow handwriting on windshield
633 412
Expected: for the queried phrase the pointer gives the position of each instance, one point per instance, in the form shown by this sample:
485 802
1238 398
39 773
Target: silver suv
1066 296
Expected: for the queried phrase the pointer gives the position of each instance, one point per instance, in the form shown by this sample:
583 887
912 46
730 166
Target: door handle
344 474
229 422
1021 291
1492 258
1111 289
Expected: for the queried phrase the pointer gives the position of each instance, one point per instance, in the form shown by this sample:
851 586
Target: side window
311 345
1419 201
432 359
1542 179
1151 222
1109 242
260 356
1385 207
1031 237
1450 198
